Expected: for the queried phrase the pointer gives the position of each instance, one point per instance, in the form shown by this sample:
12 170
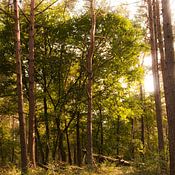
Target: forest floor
74 170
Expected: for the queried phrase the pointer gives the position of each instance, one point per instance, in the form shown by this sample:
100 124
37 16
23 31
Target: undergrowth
102 169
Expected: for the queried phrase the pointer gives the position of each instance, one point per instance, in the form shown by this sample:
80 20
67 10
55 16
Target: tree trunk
142 117
62 153
75 154
13 137
162 59
78 140
68 147
46 122
170 80
24 167
31 141
118 134
154 46
101 131
39 144
89 85
133 137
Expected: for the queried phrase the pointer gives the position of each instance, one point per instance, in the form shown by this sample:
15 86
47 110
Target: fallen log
117 161
101 158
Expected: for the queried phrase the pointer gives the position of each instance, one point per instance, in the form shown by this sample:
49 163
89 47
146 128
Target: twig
24 14
38 4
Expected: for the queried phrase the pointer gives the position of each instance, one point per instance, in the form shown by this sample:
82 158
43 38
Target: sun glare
148 83
148 79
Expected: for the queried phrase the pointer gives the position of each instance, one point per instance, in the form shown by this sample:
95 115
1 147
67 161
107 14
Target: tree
20 91
31 140
89 85
154 54
169 80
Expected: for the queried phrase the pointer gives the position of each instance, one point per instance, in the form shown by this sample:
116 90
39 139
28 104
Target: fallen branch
101 158
118 161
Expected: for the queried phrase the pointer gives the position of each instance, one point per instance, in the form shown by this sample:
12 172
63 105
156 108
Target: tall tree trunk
31 141
160 40
154 46
24 167
170 80
89 85
162 59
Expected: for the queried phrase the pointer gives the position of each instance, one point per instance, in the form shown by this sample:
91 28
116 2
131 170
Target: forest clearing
87 87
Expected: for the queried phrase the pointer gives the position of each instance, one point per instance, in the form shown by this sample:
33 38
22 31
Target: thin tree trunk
170 80
56 137
78 140
68 148
142 117
31 141
118 134
24 167
101 131
133 137
89 85
75 154
13 137
47 133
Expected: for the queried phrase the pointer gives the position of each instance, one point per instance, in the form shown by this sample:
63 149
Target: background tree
170 79
31 140
89 84
20 91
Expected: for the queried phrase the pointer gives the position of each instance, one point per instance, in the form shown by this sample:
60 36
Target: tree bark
154 54
170 80
23 145
89 85
31 141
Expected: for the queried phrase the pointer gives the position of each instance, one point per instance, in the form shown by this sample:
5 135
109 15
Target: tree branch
38 4
6 13
47 8
24 14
